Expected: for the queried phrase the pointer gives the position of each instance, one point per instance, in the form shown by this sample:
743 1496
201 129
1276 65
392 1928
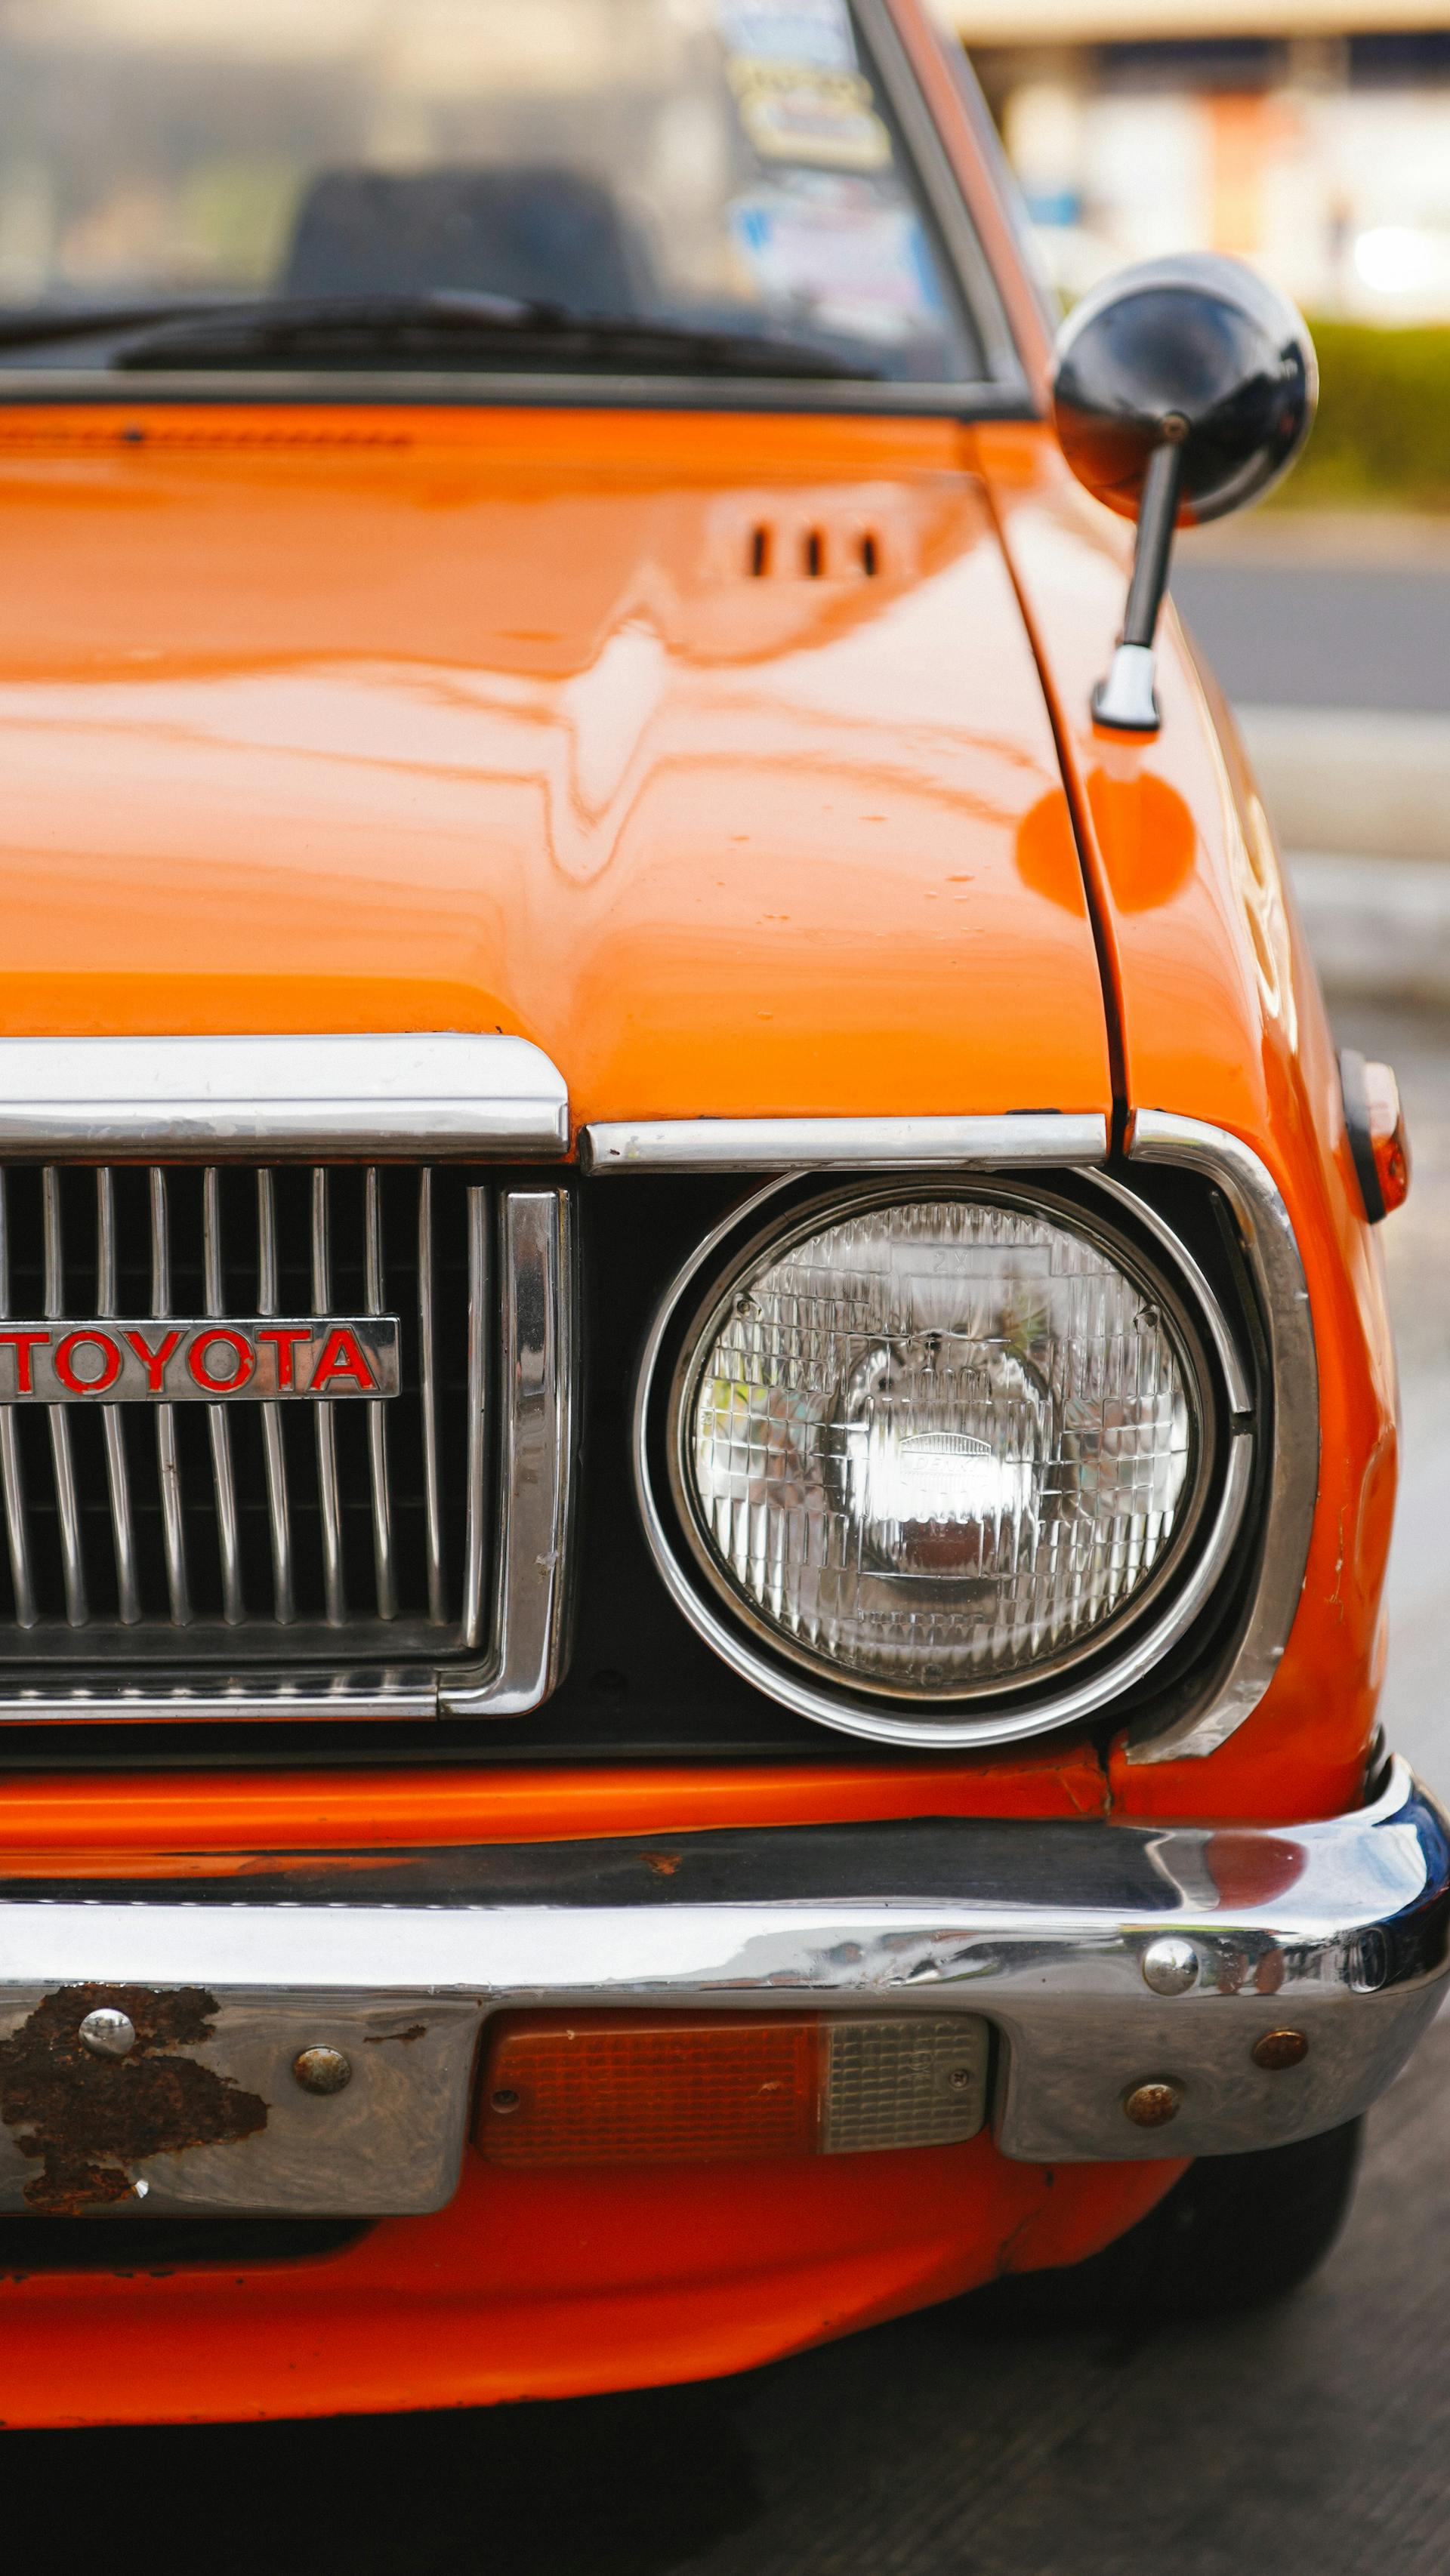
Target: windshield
724 166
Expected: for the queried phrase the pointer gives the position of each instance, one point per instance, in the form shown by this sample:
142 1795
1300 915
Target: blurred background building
1312 139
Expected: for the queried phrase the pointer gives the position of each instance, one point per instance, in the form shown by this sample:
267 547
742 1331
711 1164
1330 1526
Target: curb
1345 782
1378 927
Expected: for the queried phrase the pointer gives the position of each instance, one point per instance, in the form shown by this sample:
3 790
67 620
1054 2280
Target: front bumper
1336 1930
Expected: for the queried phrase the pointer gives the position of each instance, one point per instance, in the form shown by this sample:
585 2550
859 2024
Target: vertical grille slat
327 1491
66 1503
12 1475
428 1393
274 1454
218 1426
476 1486
123 1532
378 1413
167 1460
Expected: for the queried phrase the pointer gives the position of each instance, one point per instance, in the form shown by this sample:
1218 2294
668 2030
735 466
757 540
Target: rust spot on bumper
87 2120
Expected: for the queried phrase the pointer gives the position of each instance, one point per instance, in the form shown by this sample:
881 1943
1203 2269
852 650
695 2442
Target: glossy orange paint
126 1816
1218 1016
517 740
555 2285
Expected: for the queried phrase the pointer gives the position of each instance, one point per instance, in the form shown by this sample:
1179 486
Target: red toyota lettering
154 1362
285 1338
241 1351
65 1367
341 1357
23 1344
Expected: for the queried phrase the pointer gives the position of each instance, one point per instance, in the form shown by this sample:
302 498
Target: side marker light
694 2088
1377 1138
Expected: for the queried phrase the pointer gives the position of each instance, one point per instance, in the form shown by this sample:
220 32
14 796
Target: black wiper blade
448 329
36 325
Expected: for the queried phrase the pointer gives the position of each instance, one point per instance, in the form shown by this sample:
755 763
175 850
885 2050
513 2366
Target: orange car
697 1434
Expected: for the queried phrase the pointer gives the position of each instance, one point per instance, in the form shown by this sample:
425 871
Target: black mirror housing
1182 389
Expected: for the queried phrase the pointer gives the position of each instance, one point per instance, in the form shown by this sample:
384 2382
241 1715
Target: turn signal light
1389 1142
1377 1139
682 2088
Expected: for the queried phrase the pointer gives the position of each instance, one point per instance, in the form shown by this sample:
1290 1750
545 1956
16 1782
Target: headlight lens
940 1445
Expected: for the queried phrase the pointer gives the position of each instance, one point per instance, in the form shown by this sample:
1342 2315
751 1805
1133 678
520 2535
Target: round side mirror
1182 389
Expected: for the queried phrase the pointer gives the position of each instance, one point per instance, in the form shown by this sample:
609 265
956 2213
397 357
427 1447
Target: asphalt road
1310 2439
1302 634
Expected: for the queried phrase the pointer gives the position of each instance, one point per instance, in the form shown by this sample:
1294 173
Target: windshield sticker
862 270
820 120
813 34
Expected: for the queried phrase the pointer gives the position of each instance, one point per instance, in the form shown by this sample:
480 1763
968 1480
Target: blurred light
1394 259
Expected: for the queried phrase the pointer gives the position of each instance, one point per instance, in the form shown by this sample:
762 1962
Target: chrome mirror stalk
1125 700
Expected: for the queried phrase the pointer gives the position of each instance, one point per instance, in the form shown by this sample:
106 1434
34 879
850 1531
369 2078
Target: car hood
709 753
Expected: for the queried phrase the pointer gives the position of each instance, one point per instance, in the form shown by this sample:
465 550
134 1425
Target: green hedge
1383 432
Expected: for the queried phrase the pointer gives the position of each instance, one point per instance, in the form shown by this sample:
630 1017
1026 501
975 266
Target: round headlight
939 1447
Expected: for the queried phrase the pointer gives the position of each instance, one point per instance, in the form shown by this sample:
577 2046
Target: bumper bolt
1170 1967
107 2033
322 2070
1153 2105
1280 2048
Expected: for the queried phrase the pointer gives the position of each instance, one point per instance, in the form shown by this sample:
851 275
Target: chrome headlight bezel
1001 1708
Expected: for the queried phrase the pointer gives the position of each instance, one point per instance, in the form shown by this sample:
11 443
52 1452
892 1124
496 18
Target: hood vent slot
815 551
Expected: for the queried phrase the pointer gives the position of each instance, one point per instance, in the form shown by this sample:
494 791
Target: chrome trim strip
1272 1253
428 1394
128 1588
538 1338
1043 1928
12 1474
904 1723
67 1507
94 1697
228 1541
1026 1137
327 1493
279 1510
173 1527
288 1098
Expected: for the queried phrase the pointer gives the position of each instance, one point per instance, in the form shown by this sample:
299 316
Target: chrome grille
205 1533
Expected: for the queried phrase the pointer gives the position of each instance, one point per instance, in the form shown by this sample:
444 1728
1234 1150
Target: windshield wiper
38 325
446 329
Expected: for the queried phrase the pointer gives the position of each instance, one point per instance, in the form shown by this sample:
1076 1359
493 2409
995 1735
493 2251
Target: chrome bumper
1336 1931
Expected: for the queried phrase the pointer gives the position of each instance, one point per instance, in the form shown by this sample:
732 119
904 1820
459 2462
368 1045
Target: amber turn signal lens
1375 1124
682 2088
627 2088
1389 1142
